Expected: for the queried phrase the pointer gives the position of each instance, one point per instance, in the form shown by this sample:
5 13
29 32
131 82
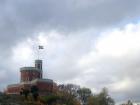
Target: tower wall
29 74
38 65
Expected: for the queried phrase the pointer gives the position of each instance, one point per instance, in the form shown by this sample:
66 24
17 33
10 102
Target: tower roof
38 60
29 68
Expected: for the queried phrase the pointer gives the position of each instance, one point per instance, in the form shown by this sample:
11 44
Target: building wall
44 88
55 87
13 90
29 75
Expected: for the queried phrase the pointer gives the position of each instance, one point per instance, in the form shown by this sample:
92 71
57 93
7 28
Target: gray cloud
80 22
75 14
21 18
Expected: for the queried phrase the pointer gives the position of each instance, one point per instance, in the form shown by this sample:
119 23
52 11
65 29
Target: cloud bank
92 43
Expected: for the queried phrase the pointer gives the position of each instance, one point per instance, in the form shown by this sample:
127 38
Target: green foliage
101 99
84 91
67 98
50 99
129 102
62 98
93 100
84 94
14 99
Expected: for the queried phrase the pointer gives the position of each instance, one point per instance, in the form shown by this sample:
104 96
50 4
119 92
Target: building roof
29 68
42 80
38 60
13 85
37 80
32 82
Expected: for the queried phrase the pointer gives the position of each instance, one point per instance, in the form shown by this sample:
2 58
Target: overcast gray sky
93 43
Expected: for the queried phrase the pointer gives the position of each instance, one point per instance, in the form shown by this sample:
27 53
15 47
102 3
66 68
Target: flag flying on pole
41 47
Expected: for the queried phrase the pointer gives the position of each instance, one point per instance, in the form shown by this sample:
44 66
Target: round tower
38 65
29 74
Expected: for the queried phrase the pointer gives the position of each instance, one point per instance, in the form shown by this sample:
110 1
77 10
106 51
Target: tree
34 91
70 88
68 94
84 94
102 98
129 102
93 100
50 99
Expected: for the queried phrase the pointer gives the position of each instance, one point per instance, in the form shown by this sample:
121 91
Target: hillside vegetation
66 95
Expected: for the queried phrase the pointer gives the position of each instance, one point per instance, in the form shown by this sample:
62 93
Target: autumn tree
102 98
84 94
68 94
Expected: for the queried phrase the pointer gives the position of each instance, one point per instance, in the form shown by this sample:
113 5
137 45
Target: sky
92 43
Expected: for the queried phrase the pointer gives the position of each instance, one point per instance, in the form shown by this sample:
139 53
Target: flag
40 47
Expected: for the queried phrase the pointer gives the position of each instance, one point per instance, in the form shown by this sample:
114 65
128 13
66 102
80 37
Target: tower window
38 66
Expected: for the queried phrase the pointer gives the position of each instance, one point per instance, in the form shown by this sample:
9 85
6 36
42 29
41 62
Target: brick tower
38 65
31 73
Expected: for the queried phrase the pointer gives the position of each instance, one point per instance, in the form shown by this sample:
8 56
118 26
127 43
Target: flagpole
40 48
38 53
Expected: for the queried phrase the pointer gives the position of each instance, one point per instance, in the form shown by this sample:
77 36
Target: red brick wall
55 87
13 90
29 75
44 86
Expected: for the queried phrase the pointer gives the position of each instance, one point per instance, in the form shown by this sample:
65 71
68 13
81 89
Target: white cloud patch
114 62
120 42
108 60
2 75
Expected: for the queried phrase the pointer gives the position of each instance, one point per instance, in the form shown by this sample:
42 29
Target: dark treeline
67 94
70 94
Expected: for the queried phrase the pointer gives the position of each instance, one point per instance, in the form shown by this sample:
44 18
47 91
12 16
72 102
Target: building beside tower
30 76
